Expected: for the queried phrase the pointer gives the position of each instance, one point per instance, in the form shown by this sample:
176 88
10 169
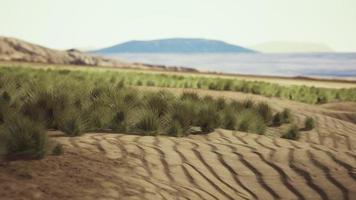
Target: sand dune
220 165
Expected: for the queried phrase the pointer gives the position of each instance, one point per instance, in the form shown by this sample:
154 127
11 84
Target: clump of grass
120 121
309 123
283 117
247 104
277 119
23 138
190 96
250 121
183 113
148 122
292 133
176 129
209 118
72 124
287 116
229 119
57 150
265 112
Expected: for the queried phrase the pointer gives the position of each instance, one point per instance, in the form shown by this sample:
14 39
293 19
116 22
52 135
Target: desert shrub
57 150
158 102
208 118
120 121
229 119
287 116
292 133
23 138
221 103
247 104
148 122
174 128
251 121
190 96
277 119
72 124
184 113
309 123
265 111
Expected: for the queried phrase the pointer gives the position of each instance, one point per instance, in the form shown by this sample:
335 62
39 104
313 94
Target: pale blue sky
98 23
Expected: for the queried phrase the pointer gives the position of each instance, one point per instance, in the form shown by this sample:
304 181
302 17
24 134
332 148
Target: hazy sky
98 23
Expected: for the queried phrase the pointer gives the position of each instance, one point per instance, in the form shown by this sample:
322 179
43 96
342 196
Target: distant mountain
174 45
291 47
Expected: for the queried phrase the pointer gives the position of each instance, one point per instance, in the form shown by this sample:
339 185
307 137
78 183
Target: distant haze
65 24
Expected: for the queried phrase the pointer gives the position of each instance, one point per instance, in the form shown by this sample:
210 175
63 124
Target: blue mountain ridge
174 45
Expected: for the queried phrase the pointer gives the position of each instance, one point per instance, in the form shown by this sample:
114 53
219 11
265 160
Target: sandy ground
220 165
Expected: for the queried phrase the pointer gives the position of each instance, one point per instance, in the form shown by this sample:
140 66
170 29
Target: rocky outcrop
12 49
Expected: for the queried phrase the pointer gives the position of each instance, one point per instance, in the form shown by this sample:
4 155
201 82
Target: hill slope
12 49
174 45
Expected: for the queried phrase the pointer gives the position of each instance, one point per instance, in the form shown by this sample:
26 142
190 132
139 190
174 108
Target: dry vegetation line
227 165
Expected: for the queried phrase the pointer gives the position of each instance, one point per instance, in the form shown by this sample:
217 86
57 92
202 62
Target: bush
265 111
250 121
287 116
229 119
72 124
190 96
184 113
292 133
247 104
120 122
175 128
57 150
23 138
277 119
148 122
309 123
209 118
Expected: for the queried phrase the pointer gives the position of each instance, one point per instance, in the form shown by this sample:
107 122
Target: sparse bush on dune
184 113
22 138
72 123
251 121
208 118
247 104
287 116
57 150
229 119
283 117
190 96
265 111
309 123
277 119
292 133
148 122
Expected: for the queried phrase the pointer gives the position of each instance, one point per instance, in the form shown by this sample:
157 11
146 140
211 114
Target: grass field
106 135
303 90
